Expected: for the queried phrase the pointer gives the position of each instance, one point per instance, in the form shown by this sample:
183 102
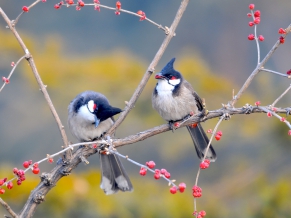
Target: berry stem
274 72
256 38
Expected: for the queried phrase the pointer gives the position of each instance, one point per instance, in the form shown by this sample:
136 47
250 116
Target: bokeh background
90 50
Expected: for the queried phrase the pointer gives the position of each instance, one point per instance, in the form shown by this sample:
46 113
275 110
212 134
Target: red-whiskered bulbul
175 99
90 116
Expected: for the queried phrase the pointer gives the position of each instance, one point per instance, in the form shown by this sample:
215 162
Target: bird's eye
172 77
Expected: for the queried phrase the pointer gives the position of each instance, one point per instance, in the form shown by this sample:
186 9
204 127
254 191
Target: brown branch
151 67
8 208
30 60
259 67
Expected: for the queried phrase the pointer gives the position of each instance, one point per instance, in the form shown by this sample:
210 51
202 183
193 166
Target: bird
89 116
175 99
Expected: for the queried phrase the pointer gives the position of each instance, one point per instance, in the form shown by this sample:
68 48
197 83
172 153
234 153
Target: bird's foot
174 125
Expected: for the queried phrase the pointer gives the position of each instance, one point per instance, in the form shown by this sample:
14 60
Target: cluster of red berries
288 72
181 188
162 173
142 15
200 214
6 80
282 39
218 135
2 181
35 168
205 164
97 7
256 20
20 174
80 4
197 191
118 7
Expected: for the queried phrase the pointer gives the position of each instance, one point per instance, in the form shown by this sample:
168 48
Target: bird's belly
173 108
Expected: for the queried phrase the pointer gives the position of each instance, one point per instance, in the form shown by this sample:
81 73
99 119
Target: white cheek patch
91 106
174 82
164 86
86 114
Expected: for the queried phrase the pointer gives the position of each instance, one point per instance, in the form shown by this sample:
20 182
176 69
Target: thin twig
14 22
151 67
281 96
274 72
8 208
259 67
14 67
38 79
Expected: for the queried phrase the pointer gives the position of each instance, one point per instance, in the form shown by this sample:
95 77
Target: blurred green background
89 50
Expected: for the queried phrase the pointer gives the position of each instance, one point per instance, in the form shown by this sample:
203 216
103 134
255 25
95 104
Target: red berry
50 160
202 213
173 190
96 1
257 103
25 8
20 173
251 37
22 178
249 14
193 125
151 164
257 13
197 191
251 23
19 182
2 191
142 14
269 114
139 12
257 20
204 165
35 165
182 187
35 170
163 171
217 137
282 31
251 6
26 164
9 185
199 216
118 5
97 8
219 133
283 119
117 12
167 175
15 170
207 161
176 124
81 3
57 6
1 182
94 146
289 133
12 64
143 171
70 2
288 72
157 176
282 39
261 38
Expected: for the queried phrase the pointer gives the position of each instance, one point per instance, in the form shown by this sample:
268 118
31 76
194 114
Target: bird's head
169 74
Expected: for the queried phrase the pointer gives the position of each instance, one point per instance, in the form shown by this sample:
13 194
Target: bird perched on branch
90 116
175 99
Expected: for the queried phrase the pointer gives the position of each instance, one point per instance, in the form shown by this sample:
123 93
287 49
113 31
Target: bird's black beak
97 121
159 76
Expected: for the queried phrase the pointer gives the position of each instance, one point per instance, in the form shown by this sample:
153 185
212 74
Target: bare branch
8 208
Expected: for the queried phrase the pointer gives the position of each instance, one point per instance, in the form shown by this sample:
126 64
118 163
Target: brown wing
198 100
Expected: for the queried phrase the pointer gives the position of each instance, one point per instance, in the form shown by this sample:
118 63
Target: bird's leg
171 125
